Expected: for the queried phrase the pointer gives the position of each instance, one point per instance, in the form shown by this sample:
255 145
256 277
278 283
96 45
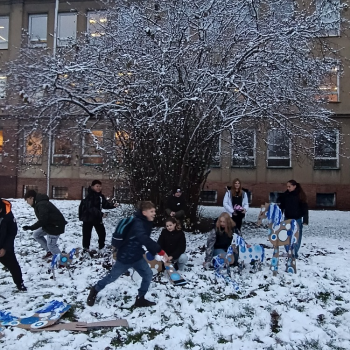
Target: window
26 188
278 150
1 144
249 195
67 29
38 30
33 148
4 33
96 22
243 150
59 192
325 199
122 195
282 10
216 154
92 142
330 87
274 197
3 82
208 197
327 150
62 151
329 17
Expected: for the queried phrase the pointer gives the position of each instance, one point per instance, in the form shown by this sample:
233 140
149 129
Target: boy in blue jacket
8 232
130 255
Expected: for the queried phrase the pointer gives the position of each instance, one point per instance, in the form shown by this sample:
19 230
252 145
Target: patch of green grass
339 298
189 344
310 344
274 323
321 319
331 345
338 311
150 333
206 297
323 296
222 340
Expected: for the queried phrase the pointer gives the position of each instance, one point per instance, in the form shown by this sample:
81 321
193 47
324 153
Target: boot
92 296
142 302
21 287
47 255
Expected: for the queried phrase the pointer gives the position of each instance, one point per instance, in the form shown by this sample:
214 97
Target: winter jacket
138 235
90 208
292 207
173 243
228 201
8 227
218 240
177 205
50 219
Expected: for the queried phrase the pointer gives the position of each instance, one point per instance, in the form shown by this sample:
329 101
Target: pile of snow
308 310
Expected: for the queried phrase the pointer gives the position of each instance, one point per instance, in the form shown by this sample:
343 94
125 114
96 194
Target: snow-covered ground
308 310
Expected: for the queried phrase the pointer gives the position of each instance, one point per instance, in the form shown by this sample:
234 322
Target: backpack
121 232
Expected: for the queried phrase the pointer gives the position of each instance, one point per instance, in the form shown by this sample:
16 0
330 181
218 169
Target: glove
26 228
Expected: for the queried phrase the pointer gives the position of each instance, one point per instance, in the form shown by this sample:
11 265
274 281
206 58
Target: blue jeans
298 244
50 245
141 267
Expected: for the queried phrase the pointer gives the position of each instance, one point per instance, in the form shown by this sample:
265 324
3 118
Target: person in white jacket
236 202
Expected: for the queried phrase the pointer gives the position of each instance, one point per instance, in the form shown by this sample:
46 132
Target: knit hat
177 189
96 182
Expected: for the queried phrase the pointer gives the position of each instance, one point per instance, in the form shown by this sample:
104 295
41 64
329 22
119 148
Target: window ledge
324 168
279 167
243 166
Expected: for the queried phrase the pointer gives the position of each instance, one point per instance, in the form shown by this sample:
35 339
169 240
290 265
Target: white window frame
271 157
250 157
27 156
212 202
84 155
70 39
94 34
54 192
331 93
34 42
3 87
330 32
329 158
4 32
328 206
56 155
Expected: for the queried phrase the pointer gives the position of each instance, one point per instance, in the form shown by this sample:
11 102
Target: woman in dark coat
293 204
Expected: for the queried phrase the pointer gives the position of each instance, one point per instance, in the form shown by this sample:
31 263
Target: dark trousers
9 260
101 232
238 219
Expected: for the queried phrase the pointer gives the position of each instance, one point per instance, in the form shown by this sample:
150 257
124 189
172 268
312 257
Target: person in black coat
130 255
293 204
176 205
173 241
8 232
90 213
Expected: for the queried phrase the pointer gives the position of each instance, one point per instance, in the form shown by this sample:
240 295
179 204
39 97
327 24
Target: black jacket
223 241
50 219
8 226
90 208
138 235
176 204
173 243
292 207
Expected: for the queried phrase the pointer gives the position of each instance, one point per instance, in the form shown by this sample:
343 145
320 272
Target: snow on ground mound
308 310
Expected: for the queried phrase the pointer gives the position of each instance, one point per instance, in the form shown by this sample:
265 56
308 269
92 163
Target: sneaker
92 296
142 302
21 287
47 255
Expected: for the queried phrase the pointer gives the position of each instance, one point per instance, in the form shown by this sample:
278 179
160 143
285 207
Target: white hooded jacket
228 202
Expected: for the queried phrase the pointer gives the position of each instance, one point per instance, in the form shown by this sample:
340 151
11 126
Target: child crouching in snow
173 241
220 238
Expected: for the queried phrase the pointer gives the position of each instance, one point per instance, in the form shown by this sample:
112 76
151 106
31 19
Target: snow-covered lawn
308 310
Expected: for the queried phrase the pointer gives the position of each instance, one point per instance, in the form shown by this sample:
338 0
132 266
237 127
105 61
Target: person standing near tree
293 203
51 222
176 204
90 213
236 202
8 232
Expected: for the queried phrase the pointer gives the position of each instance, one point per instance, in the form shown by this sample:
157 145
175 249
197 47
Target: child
8 232
130 255
90 213
173 241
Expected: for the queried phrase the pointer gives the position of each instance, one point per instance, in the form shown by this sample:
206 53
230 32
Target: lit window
59 192
4 33
92 142
62 154
38 30
96 23
327 150
67 29
1 143
329 17
278 150
3 82
243 150
216 154
330 87
33 148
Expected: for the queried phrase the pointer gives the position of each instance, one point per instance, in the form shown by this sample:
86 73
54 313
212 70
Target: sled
174 276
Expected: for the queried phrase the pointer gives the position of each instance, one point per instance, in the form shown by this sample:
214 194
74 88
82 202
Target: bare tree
168 77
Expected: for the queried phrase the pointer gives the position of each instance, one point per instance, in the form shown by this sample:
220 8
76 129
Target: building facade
262 167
